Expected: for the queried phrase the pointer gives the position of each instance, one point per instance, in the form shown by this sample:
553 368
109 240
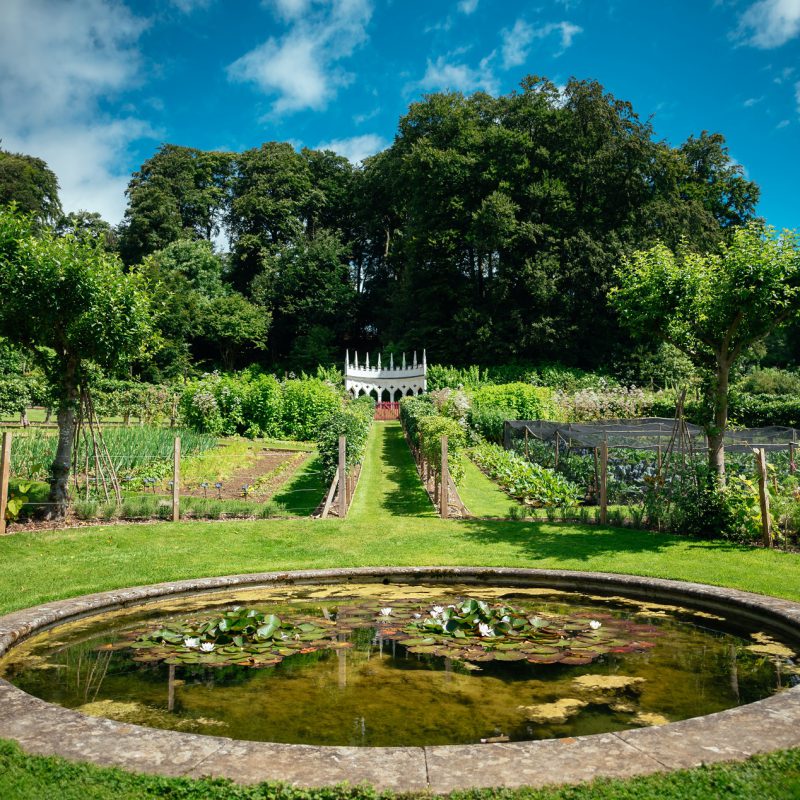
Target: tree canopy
713 306
70 302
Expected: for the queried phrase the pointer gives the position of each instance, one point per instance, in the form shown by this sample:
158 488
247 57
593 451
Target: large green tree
30 184
178 193
713 306
70 302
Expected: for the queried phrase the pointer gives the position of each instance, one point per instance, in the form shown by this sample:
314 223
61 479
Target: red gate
387 411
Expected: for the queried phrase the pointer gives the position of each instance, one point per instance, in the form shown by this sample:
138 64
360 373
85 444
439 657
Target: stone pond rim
734 734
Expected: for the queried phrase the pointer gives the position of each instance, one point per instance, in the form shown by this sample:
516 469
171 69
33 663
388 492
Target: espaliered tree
713 306
70 302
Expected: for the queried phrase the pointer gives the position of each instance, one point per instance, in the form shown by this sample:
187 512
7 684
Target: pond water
367 665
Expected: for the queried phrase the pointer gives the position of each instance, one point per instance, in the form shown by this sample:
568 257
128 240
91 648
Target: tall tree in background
71 297
31 185
179 193
713 306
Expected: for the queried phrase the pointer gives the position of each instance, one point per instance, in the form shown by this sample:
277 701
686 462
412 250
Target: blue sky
94 86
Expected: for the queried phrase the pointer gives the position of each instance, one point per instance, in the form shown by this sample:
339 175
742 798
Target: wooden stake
603 483
527 452
444 483
176 481
342 477
5 471
763 494
555 463
792 465
659 459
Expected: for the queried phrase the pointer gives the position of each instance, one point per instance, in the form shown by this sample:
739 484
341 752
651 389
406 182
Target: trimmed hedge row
258 405
425 428
353 421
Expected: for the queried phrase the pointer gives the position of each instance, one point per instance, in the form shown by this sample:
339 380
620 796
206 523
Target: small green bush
85 509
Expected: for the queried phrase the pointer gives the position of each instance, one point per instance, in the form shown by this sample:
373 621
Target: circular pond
376 665
569 654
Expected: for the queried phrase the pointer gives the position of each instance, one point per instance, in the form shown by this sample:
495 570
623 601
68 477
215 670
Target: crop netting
636 448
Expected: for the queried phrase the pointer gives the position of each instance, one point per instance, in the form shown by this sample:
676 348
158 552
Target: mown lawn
391 523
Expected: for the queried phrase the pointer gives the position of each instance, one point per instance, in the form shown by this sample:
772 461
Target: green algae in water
373 690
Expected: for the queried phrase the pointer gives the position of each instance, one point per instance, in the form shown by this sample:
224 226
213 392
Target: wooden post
444 483
527 452
792 465
176 481
342 477
659 459
603 483
555 462
763 494
5 471
596 473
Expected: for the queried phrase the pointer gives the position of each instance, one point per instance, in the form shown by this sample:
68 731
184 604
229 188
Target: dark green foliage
488 421
31 185
522 399
352 422
179 193
412 411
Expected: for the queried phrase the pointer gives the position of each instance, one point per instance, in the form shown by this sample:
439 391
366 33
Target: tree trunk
66 415
716 432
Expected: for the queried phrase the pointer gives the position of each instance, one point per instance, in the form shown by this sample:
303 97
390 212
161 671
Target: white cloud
356 148
445 75
57 61
187 6
289 9
769 23
797 95
516 43
360 119
784 123
301 68
467 6
752 101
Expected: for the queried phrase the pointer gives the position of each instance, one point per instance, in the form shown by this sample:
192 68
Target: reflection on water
377 693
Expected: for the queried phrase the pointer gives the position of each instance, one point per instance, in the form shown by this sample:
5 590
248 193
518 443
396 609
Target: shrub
412 411
489 422
352 422
524 400
431 430
697 506
263 406
306 406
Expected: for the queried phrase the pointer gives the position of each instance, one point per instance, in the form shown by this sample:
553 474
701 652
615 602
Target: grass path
482 496
389 486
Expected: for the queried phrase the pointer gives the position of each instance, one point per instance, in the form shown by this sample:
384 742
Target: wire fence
636 449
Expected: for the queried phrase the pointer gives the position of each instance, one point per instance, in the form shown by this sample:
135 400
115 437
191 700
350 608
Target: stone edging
768 724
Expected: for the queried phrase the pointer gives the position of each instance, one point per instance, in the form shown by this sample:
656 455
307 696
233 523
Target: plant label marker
176 481
5 471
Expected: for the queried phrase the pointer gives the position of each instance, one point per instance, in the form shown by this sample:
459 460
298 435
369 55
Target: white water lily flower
484 629
191 641
284 636
417 616
594 624
506 618
385 612
207 647
437 611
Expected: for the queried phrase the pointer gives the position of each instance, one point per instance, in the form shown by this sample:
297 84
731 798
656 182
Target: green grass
389 486
481 495
381 529
772 777
301 494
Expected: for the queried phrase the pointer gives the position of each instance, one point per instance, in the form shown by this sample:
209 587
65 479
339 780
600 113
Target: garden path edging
735 734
